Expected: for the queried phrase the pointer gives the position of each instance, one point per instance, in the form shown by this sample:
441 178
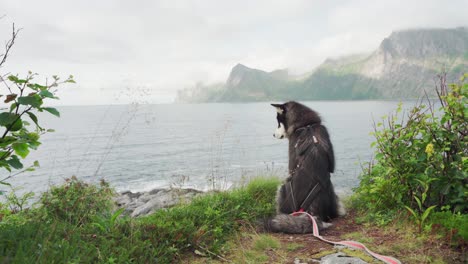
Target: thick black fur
311 160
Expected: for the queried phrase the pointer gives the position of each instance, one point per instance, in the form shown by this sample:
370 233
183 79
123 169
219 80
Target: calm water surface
140 147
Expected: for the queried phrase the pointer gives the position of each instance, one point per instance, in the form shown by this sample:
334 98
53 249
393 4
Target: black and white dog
311 160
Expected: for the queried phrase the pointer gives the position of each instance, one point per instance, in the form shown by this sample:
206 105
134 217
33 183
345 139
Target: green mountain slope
402 67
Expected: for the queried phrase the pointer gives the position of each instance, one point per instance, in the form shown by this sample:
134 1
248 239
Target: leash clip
298 212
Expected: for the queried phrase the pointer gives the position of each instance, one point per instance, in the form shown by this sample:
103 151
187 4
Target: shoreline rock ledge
144 203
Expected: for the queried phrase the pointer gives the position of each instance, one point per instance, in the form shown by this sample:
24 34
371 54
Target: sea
139 147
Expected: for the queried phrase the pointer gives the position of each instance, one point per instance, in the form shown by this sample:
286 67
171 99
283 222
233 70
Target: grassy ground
400 239
77 223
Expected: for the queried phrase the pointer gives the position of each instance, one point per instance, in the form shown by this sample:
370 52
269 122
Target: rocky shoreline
143 203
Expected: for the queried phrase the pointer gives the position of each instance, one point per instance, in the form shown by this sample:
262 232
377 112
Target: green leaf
100 226
34 144
15 162
427 212
379 156
7 118
115 215
32 100
32 136
21 149
423 197
418 201
33 118
4 164
412 212
36 86
17 125
36 163
13 106
13 78
4 142
52 110
46 93
4 183
17 80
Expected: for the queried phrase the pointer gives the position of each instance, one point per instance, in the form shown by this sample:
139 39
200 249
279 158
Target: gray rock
341 258
123 200
144 203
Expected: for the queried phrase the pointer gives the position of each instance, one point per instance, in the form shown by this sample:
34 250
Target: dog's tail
290 224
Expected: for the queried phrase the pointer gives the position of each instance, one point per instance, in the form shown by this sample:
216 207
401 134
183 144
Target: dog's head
281 118
291 116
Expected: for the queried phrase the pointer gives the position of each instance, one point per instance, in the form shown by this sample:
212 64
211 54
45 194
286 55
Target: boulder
144 203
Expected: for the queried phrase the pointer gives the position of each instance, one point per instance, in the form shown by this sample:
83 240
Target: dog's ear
279 108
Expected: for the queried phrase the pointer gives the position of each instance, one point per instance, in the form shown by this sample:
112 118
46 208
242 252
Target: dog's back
309 188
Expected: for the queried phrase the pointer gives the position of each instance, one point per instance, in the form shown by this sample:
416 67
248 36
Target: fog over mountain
402 67
124 52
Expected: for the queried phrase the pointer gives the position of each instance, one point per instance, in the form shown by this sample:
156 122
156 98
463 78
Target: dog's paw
341 209
326 225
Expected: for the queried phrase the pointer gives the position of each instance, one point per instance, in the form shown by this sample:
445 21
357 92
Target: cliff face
426 43
402 67
406 62
247 84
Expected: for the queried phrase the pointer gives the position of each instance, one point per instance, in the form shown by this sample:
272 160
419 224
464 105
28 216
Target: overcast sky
143 51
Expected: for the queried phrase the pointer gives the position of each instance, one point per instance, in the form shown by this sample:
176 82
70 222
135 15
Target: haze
144 51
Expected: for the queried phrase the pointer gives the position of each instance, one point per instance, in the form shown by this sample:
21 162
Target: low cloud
165 45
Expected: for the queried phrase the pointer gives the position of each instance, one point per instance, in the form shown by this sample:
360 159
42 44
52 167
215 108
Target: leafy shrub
77 202
454 225
421 159
24 97
17 139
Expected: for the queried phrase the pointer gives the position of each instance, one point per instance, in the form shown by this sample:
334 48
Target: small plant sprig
420 215
23 98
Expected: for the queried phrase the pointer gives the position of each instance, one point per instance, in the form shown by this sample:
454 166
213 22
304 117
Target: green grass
264 242
293 246
75 223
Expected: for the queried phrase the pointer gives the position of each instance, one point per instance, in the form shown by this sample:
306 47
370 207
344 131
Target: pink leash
352 244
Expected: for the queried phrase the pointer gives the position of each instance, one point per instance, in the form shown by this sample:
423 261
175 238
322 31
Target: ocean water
140 147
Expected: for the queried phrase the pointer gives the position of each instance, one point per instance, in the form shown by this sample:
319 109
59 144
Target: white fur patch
326 225
280 132
341 209
279 110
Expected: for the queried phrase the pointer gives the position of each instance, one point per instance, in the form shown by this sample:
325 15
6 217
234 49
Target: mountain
243 84
402 67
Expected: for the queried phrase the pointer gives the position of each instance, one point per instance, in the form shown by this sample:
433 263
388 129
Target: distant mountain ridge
402 67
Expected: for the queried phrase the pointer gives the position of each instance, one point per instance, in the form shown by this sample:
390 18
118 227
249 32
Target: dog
308 187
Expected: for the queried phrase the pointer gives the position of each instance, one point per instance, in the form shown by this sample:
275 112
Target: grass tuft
265 242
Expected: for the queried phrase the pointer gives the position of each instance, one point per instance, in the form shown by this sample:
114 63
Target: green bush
454 225
421 159
77 202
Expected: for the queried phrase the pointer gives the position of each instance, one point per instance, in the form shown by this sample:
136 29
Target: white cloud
162 46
